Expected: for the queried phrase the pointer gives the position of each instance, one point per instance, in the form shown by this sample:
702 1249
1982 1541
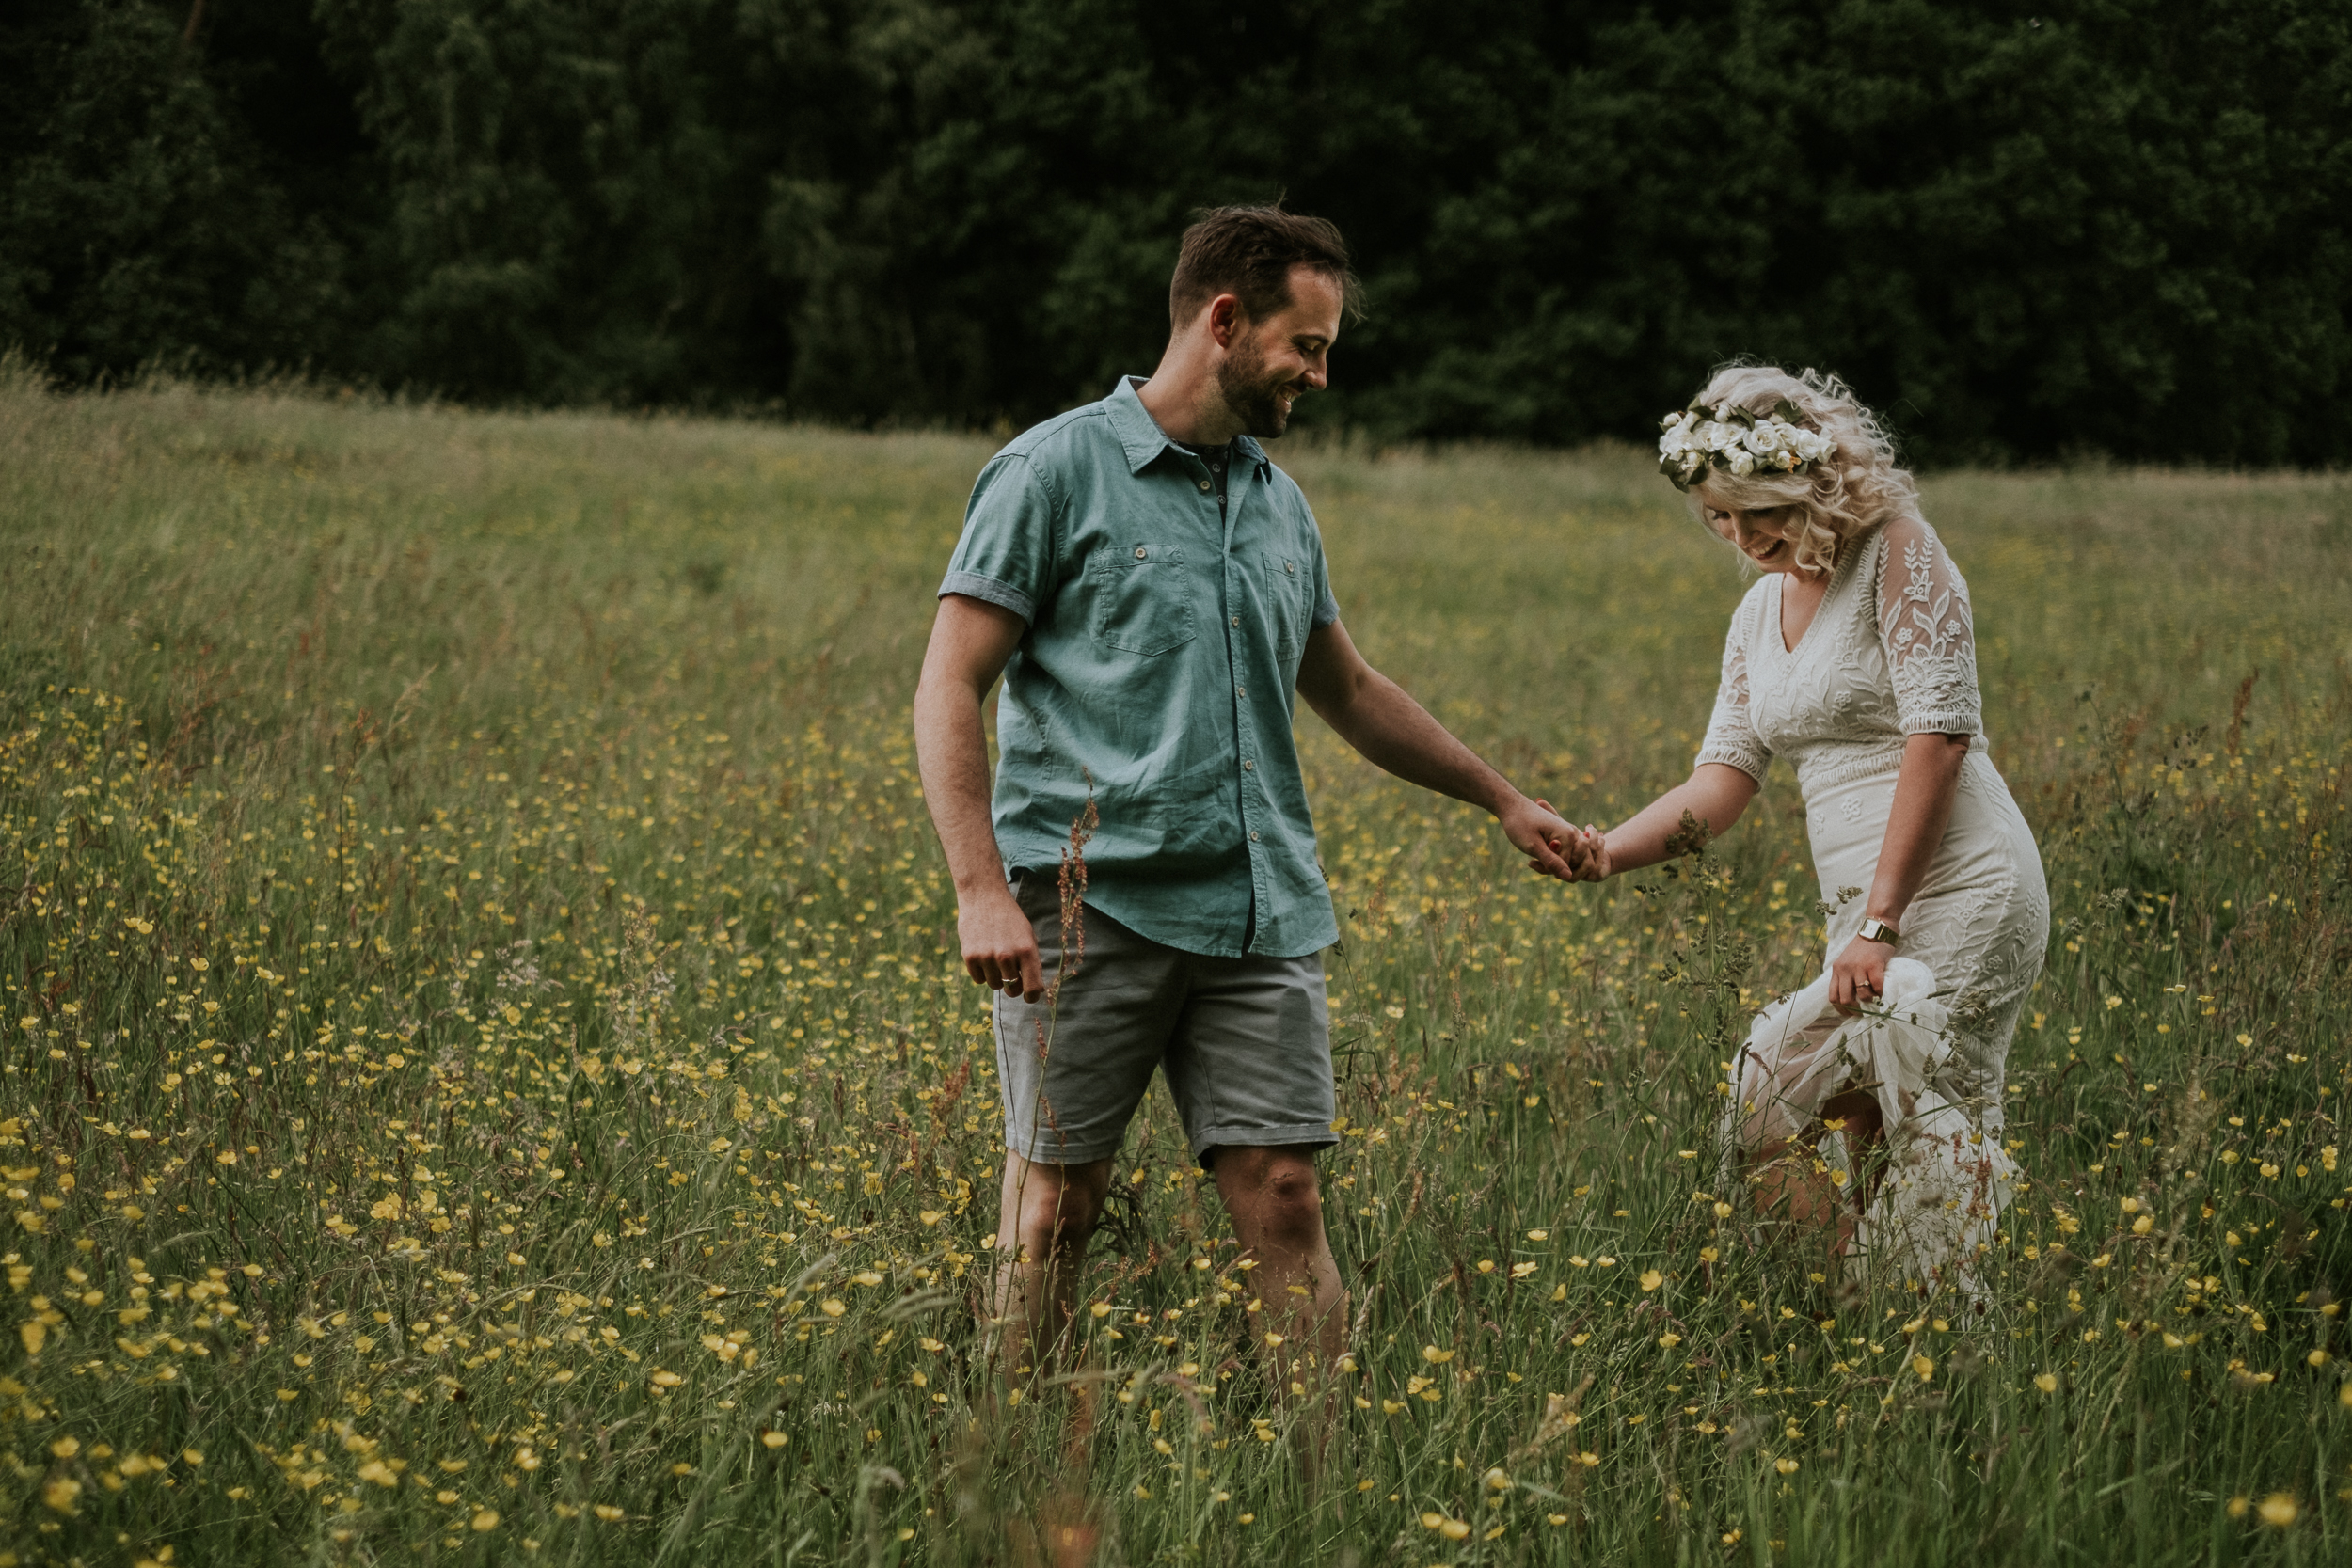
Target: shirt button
1247 766
1237 620
1142 551
1241 691
1292 569
1253 835
1204 486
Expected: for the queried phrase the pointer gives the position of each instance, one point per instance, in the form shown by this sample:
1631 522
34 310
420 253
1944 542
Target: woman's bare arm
1924 791
1714 795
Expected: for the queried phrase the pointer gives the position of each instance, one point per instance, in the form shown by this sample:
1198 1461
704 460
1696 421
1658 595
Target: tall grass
485 1075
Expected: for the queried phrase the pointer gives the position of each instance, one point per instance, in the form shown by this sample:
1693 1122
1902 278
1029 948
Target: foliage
483 1070
2114 225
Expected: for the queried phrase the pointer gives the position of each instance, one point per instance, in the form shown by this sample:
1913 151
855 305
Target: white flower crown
1736 442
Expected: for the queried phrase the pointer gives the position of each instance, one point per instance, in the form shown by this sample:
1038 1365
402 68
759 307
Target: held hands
1000 946
1858 977
1552 846
1584 850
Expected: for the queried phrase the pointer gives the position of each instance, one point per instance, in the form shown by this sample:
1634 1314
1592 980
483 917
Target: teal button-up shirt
1157 674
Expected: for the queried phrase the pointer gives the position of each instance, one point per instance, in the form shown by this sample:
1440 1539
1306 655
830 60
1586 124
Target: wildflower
609 1514
2278 1510
1651 1279
1434 1356
1786 1467
2046 1382
486 1520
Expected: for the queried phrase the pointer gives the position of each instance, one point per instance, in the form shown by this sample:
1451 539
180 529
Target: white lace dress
1891 653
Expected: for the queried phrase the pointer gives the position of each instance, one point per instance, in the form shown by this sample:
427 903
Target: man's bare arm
971 642
1376 715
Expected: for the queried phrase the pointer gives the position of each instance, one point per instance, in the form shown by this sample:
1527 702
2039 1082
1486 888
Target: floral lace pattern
1927 631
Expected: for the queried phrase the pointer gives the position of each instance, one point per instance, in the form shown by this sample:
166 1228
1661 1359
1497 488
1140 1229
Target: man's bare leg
1277 1207
1047 1215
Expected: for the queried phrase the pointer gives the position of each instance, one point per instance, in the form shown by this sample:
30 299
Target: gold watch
1875 929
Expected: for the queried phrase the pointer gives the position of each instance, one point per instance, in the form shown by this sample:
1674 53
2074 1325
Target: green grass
482 1063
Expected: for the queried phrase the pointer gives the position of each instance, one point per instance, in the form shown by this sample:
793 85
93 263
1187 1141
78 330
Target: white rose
1742 463
1765 440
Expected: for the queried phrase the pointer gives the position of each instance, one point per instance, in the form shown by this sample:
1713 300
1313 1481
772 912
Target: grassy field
484 1076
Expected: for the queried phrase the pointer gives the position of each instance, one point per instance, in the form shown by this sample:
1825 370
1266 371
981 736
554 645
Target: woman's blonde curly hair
1856 488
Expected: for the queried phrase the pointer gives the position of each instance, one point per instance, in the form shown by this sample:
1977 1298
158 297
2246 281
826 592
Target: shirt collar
1141 438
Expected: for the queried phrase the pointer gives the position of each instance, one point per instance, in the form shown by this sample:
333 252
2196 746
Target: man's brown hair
1250 252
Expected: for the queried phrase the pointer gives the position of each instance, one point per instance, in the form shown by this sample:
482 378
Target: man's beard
1255 396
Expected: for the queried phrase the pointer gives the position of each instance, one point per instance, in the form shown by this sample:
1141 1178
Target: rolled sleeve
1006 555
973 586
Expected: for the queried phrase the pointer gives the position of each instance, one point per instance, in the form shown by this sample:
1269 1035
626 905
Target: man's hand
1858 978
1552 846
1000 945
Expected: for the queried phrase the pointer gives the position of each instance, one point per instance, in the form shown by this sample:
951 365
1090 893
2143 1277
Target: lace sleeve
1730 738
1928 635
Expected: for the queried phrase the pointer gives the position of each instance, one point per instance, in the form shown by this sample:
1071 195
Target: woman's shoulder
1908 537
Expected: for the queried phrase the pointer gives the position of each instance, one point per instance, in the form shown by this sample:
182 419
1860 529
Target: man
1152 589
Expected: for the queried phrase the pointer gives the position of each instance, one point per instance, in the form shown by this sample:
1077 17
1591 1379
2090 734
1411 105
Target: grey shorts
1245 1044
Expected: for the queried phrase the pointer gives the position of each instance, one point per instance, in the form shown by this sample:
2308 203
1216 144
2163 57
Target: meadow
484 1075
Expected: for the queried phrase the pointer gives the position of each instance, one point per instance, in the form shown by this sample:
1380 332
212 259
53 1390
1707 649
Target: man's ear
1226 320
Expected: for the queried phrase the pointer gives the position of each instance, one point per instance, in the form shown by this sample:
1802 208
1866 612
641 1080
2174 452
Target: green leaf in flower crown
1789 411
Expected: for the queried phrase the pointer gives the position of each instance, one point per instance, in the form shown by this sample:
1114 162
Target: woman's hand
1858 978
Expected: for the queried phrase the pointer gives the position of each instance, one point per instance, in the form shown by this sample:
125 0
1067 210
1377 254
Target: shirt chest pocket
1142 598
1288 586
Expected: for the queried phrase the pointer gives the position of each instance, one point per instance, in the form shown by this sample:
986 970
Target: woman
1853 657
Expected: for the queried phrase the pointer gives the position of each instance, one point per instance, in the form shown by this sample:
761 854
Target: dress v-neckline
1780 590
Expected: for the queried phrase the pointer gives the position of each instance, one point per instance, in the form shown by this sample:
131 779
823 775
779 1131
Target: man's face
1269 363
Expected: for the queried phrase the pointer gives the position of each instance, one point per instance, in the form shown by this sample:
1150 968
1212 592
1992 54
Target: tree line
2024 229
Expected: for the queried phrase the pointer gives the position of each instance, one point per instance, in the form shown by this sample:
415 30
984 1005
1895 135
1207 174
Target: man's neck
1183 398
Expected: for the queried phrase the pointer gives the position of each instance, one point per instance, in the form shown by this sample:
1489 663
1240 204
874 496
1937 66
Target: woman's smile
1763 535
